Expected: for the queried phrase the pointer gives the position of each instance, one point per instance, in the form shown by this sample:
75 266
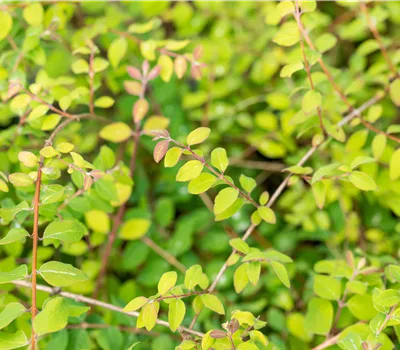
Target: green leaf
285 7
189 171
192 276
198 135
33 14
219 159
212 302
296 169
281 272
20 179
225 199
104 102
247 183
240 278
362 181
319 193
394 165
10 313
80 66
351 341
61 275
8 214
48 152
230 211
135 304
201 183
14 235
394 272
18 273
240 245
53 317
388 298
97 221
28 159
288 70
66 231
394 91
361 160
172 157
141 28
253 272
116 132
325 42
311 101
148 316
277 256
327 287
52 194
361 307
117 51
287 35
176 313
6 24
167 281
166 67
99 64
134 229
15 340
267 214
319 316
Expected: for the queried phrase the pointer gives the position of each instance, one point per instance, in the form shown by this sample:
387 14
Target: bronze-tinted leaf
217 334
160 150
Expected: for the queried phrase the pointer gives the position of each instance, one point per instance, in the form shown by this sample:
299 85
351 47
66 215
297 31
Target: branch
327 343
94 302
91 78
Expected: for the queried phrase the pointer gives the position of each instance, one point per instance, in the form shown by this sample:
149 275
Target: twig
91 78
374 31
167 256
85 325
327 343
94 302
378 131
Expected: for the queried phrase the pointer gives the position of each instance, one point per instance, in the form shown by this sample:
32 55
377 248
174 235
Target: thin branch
167 256
327 343
378 131
98 303
374 31
85 325
91 78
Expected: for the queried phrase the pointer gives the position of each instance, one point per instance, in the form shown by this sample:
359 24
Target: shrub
273 223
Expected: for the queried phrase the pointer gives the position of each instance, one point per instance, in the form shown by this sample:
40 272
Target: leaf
288 70
394 272
362 181
319 316
253 272
53 317
116 132
140 109
104 102
240 245
172 157
281 272
59 274
28 159
311 101
192 276
296 169
167 67
240 278
361 307
267 214
225 199
14 235
167 281
361 160
141 28
288 34
319 193
325 42
212 302
197 136
20 179
66 231
160 150
80 66
394 165
327 287
98 221
264 197
135 304
8 214
52 194
6 24
117 51
134 229
18 273
99 64
217 334
176 313
33 14
15 340
201 183
388 298
231 210
189 171
10 313
394 91
219 159
180 66
247 183
148 316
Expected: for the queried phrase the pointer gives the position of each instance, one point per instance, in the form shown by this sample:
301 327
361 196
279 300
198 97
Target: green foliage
273 223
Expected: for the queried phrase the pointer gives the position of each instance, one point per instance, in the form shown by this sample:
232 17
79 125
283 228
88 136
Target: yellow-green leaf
395 165
202 183
28 159
395 91
189 171
33 14
104 102
53 317
225 199
134 229
172 157
6 24
167 67
117 51
116 132
267 214
240 278
198 136
97 221
135 304
212 302
167 281
176 313
219 159
362 181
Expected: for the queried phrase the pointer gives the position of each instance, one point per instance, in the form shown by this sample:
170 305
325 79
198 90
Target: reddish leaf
140 109
160 150
180 65
154 73
134 72
217 334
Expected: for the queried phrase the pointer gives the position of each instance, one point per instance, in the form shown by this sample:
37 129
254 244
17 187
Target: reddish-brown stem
378 38
35 239
185 295
378 131
307 67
